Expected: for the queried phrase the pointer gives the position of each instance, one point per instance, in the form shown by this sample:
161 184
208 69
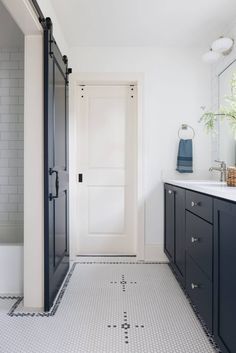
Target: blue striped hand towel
185 156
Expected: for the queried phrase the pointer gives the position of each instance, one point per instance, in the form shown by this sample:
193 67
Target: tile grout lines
53 310
12 312
124 326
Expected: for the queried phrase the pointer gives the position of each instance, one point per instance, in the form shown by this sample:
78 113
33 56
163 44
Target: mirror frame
217 70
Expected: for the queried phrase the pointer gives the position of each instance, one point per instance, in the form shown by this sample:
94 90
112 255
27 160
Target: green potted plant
209 119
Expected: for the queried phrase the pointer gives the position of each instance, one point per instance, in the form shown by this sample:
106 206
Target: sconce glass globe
222 45
211 56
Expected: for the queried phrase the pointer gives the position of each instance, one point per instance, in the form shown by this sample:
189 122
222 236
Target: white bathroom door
107 172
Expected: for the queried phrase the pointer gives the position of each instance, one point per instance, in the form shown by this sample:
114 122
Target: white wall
48 11
11 36
33 174
176 84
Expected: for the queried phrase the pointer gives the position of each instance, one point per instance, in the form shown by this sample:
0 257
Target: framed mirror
226 138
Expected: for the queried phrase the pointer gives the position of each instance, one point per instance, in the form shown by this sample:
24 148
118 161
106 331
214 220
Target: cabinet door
169 221
225 275
199 289
180 232
199 242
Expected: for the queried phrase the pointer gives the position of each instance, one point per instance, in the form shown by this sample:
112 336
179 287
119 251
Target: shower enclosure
11 154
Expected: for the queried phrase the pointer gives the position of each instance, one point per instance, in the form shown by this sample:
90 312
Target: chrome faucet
222 169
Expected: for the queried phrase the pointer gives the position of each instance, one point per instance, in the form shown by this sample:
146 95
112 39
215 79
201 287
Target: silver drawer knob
194 240
194 286
170 192
194 203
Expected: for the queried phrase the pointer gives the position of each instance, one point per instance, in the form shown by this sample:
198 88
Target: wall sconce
220 47
211 56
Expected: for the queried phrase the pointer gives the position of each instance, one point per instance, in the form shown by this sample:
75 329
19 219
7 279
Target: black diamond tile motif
89 296
123 283
125 326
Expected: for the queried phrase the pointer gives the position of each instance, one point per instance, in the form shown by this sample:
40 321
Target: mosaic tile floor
110 307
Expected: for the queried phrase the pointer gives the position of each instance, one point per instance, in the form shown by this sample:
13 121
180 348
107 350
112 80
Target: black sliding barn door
56 176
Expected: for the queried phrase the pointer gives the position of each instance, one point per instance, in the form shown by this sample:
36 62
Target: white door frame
26 18
109 79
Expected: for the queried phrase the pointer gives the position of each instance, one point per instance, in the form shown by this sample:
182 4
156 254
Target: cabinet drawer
199 204
199 234
199 288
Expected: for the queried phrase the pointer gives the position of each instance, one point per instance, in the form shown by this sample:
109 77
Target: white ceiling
143 22
10 34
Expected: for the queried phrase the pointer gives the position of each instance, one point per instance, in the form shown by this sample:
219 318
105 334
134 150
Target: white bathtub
11 269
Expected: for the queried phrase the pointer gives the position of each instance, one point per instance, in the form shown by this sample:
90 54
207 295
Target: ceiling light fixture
221 46
211 56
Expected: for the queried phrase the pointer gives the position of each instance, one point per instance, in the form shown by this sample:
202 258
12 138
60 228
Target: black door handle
80 178
51 196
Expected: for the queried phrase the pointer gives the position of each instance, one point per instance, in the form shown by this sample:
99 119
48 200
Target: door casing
112 175
106 79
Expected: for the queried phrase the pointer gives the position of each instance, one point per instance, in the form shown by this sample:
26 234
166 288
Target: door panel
108 216
59 121
56 177
106 132
107 135
60 241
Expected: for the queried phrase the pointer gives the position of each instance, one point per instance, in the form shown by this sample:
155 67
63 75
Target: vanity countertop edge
208 187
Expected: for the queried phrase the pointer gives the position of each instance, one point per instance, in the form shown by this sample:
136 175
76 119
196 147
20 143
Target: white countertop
209 187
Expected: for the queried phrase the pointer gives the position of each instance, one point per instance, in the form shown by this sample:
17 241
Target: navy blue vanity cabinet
174 244
199 254
200 242
225 275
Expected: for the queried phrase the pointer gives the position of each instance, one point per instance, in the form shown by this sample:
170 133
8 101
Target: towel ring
185 127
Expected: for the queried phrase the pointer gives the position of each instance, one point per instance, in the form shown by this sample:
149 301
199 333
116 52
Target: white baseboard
155 252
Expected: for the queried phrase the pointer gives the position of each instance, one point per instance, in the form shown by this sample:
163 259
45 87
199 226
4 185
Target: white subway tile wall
11 144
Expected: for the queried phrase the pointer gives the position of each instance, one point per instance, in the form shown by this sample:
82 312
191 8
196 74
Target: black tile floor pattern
95 316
